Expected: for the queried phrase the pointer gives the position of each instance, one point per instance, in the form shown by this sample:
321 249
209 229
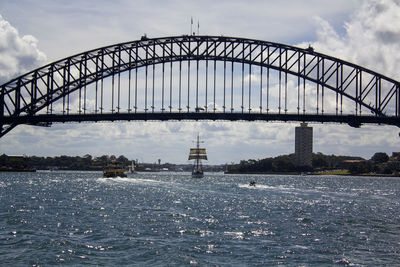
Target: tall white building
303 145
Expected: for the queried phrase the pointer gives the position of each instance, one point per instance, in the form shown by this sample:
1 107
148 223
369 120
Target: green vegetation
332 172
285 163
379 164
86 162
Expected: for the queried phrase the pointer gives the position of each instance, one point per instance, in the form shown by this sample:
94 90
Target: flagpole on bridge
191 25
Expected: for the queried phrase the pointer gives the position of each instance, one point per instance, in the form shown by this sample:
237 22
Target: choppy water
170 219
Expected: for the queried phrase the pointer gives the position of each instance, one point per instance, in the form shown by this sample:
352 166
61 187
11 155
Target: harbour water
170 219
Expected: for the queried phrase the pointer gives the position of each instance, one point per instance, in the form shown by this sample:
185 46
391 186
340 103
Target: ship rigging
197 154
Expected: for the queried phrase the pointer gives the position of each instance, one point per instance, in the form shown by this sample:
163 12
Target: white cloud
17 54
76 26
371 38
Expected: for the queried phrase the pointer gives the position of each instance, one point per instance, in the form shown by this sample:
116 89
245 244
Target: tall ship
197 154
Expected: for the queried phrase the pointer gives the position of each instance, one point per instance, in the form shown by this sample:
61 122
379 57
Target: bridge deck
352 120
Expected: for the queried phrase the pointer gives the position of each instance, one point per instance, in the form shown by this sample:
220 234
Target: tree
319 160
283 164
380 157
88 157
3 159
123 160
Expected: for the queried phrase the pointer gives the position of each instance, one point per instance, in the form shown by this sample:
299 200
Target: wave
128 180
261 186
294 190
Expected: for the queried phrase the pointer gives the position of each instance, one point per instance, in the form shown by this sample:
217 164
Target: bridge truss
199 78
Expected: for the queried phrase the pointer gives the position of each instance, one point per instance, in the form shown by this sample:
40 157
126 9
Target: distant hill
380 163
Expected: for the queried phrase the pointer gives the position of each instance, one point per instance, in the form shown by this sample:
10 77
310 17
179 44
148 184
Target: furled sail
197 157
197 151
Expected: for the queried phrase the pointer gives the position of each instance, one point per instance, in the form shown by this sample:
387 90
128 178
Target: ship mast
197 154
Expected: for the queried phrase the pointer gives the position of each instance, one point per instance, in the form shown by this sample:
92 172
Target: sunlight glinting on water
78 218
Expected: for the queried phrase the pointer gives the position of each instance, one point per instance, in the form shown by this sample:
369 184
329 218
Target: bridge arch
31 98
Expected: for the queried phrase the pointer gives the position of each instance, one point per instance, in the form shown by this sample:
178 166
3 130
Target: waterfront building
303 145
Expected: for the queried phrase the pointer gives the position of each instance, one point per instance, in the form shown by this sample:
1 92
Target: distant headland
380 164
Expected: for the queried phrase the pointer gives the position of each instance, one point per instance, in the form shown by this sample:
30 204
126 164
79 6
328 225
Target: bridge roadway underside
352 120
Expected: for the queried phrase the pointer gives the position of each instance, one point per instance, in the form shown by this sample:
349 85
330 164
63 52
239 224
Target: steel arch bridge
200 78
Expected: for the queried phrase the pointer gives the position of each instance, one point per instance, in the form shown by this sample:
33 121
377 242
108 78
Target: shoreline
317 174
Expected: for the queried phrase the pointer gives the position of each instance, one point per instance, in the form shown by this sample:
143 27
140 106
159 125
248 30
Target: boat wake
129 180
293 190
113 179
258 186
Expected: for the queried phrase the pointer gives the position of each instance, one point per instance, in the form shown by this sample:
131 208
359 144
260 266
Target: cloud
108 22
17 54
371 38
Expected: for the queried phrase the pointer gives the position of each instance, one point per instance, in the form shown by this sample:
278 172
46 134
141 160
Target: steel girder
24 99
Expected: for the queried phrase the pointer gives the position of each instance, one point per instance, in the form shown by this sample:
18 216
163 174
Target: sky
36 32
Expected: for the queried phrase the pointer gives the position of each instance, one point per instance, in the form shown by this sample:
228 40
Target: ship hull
197 175
114 173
